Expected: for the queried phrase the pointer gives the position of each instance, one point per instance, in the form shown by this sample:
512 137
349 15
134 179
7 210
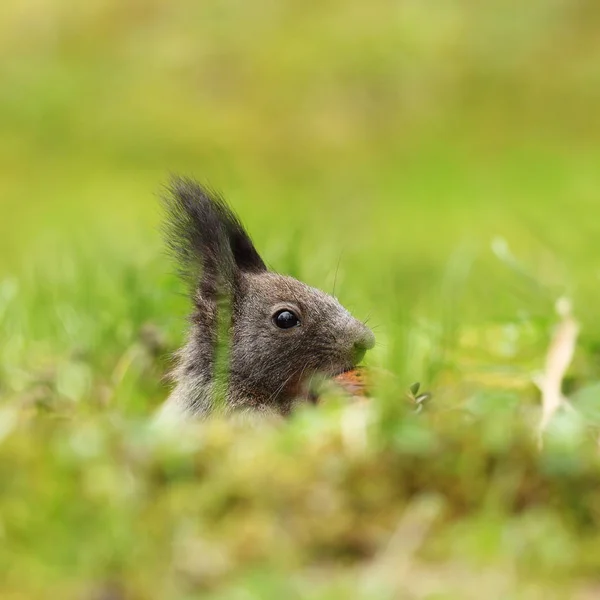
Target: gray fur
268 367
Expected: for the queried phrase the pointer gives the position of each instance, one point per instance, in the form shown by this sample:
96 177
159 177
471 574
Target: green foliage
408 495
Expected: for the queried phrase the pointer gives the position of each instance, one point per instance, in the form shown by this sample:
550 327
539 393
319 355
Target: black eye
286 319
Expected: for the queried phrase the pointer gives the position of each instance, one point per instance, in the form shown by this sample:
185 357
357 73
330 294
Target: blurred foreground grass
439 162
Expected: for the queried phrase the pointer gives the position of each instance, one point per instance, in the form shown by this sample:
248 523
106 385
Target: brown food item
355 381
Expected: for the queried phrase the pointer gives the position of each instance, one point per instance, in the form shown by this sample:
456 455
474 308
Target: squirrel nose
365 340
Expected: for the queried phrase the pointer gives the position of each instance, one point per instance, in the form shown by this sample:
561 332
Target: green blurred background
391 129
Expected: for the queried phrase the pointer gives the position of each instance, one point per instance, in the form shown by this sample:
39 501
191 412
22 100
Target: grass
439 165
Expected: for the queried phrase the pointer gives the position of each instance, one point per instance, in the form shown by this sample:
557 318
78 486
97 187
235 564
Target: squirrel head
280 331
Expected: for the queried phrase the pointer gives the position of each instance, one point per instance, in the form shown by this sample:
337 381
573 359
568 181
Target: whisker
336 274
278 390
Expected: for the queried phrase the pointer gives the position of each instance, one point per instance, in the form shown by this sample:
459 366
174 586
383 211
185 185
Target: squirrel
279 332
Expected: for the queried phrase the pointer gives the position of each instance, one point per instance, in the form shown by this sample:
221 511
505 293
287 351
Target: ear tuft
206 237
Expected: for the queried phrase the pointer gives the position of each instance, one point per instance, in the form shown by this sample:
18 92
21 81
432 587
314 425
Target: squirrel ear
245 255
206 237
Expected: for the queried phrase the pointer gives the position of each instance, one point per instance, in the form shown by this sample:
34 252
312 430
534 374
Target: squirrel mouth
339 371
353 380
346 367
349 376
